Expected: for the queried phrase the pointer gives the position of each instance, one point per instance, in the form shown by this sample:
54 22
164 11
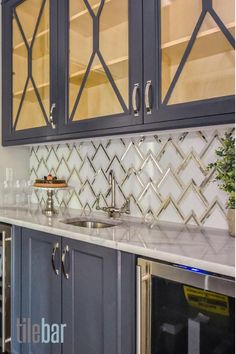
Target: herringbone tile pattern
165 175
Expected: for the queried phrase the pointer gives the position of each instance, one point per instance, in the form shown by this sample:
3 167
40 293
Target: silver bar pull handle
63 260
136 100
138 309
51 117
54 252
148 97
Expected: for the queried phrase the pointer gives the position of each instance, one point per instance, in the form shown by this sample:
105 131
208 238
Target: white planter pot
231 221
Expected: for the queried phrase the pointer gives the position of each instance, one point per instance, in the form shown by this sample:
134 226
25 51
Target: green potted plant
225 173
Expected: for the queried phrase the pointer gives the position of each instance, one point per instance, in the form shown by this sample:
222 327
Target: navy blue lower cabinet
71 297
37 324
98 299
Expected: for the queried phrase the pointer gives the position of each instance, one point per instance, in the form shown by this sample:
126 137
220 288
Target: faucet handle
126 206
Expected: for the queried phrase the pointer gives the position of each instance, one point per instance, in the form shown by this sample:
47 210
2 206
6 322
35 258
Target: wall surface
165 175
16 158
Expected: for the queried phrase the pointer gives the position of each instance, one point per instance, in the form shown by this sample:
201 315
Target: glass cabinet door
30 89
197 45
196 55
100 75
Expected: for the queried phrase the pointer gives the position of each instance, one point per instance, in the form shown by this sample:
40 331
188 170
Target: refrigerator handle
143 303
138 309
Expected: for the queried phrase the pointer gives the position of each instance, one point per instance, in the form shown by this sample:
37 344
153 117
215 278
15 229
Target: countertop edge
149 253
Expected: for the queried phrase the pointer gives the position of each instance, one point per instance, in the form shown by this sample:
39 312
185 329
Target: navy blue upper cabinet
188 62
84 68
29 69
100 64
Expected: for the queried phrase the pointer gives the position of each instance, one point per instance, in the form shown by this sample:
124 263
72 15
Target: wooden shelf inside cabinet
207 43
39 48
79 20
31 97
82 21
97 77
85 12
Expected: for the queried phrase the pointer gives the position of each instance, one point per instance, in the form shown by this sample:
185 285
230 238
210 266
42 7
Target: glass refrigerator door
188 320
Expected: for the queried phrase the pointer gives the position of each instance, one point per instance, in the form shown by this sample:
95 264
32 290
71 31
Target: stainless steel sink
90 223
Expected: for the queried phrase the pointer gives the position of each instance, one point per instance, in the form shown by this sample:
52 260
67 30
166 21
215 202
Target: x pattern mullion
100 8
223 28
21 102
112 82
191 43
87 4
38 22
185 56
39 99
103 63
29 49
21 29
82 85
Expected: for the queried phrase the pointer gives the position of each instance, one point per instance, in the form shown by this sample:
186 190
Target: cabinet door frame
108 259
119 283
16 289
26 261
116 121
8 133
218 110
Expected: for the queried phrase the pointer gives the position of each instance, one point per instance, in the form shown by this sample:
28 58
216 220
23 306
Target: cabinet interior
209 69
98 97
31 65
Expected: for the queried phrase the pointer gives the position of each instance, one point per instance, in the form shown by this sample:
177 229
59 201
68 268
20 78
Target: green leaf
225 167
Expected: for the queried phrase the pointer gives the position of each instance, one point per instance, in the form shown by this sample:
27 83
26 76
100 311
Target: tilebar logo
42 332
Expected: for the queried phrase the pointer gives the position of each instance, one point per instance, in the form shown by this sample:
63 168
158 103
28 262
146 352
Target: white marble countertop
205 248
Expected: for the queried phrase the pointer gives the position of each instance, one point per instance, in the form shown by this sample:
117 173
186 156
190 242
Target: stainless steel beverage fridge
184 310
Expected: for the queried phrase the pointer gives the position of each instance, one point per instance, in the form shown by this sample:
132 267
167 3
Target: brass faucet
113 210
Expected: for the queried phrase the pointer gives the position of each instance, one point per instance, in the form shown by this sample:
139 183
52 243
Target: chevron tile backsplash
165 175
